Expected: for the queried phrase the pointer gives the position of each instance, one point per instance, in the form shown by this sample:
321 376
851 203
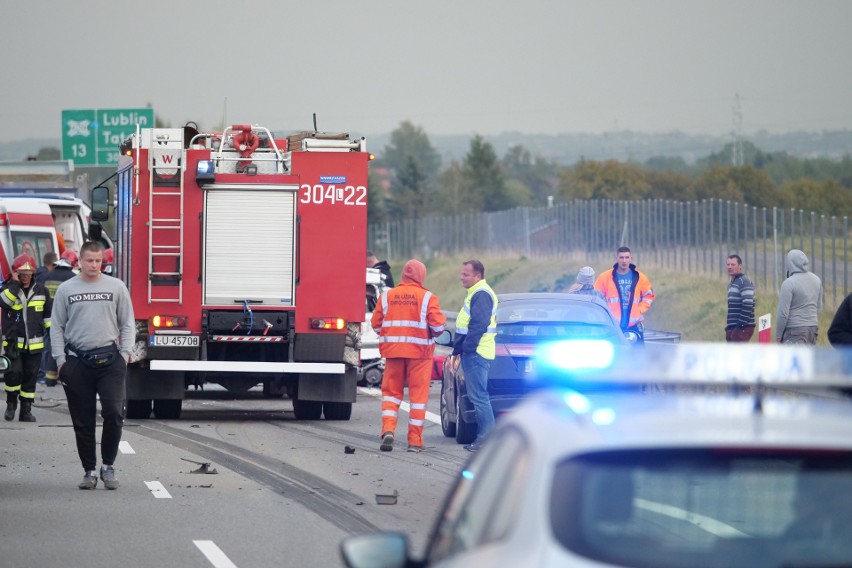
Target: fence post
775 248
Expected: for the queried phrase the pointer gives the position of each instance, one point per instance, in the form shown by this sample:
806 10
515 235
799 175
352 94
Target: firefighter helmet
24 263
71 257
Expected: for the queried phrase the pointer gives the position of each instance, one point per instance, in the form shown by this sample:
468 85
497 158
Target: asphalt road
284 493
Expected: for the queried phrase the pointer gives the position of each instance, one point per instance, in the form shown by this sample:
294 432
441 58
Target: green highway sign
92 137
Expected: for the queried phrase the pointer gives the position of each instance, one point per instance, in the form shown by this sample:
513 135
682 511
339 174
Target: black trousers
82 386
21 376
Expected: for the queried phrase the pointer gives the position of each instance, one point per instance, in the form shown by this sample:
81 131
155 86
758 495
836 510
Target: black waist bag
96 358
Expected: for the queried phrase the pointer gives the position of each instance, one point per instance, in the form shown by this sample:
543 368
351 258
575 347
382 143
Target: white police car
738 456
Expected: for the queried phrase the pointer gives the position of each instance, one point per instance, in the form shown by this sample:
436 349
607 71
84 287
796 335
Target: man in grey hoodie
799 303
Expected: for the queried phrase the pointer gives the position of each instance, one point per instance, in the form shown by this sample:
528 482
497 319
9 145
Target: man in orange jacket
407 319
628 292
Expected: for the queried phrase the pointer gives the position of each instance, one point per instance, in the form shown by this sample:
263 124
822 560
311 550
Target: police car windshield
712 508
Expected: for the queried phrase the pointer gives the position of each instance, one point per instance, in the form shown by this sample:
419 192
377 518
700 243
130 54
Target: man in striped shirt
741 298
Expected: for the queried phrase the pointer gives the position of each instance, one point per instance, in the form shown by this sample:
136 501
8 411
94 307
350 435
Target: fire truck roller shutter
242 225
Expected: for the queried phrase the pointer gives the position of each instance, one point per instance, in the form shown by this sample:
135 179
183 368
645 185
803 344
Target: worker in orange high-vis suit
628 293
407 318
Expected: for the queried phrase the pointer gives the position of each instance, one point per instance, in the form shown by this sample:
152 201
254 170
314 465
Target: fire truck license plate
174 341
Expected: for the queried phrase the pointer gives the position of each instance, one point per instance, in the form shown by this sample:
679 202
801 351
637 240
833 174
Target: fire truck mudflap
243 252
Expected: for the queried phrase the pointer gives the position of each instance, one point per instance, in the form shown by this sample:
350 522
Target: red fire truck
244 254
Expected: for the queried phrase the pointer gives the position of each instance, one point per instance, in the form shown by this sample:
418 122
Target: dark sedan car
523 322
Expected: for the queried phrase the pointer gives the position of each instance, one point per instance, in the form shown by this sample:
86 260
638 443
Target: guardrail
657 336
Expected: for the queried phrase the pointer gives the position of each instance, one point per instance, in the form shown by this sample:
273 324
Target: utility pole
737 158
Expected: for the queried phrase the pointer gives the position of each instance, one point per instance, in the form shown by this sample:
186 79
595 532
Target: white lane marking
709 524
157 490
124 448
376 393
214 554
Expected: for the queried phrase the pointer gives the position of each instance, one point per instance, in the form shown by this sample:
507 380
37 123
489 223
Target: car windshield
517 321
714 508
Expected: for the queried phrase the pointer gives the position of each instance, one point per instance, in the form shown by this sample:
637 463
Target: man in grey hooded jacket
799 303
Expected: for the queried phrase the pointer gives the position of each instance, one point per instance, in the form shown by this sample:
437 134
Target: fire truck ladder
165 214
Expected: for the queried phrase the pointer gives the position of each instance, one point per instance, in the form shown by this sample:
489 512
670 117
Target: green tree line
410 180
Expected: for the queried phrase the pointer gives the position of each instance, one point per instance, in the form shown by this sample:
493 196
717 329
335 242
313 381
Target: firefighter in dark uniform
26 319
63 269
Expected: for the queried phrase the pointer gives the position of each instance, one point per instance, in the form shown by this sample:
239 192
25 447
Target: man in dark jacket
739 326
840 331
62 271
382 266
476 330
47 262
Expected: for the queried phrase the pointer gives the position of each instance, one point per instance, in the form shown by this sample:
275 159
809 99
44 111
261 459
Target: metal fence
691 236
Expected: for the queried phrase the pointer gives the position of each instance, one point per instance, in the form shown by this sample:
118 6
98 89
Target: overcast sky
450 67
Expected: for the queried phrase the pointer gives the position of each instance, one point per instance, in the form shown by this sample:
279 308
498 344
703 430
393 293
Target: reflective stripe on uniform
403 323
405 339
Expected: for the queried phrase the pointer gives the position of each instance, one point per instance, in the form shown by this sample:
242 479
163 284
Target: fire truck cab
243 253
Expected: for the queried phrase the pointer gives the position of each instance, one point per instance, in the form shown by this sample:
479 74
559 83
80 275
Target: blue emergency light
205 172
576 354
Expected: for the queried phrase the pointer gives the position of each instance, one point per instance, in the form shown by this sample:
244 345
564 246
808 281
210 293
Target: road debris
204 467
387 499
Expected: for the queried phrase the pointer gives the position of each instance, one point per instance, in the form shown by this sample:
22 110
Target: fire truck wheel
307 409
167 408
274 389
139 409
337 410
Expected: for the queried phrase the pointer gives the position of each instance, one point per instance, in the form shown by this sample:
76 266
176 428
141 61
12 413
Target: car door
483 508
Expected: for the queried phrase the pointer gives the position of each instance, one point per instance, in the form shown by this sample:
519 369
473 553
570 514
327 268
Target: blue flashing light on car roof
577 402
577 355
603 416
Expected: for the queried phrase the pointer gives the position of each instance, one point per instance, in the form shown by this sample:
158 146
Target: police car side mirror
388 549
445 339
4 363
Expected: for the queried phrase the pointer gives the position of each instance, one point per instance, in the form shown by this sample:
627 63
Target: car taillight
328 323
166 322
515 349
